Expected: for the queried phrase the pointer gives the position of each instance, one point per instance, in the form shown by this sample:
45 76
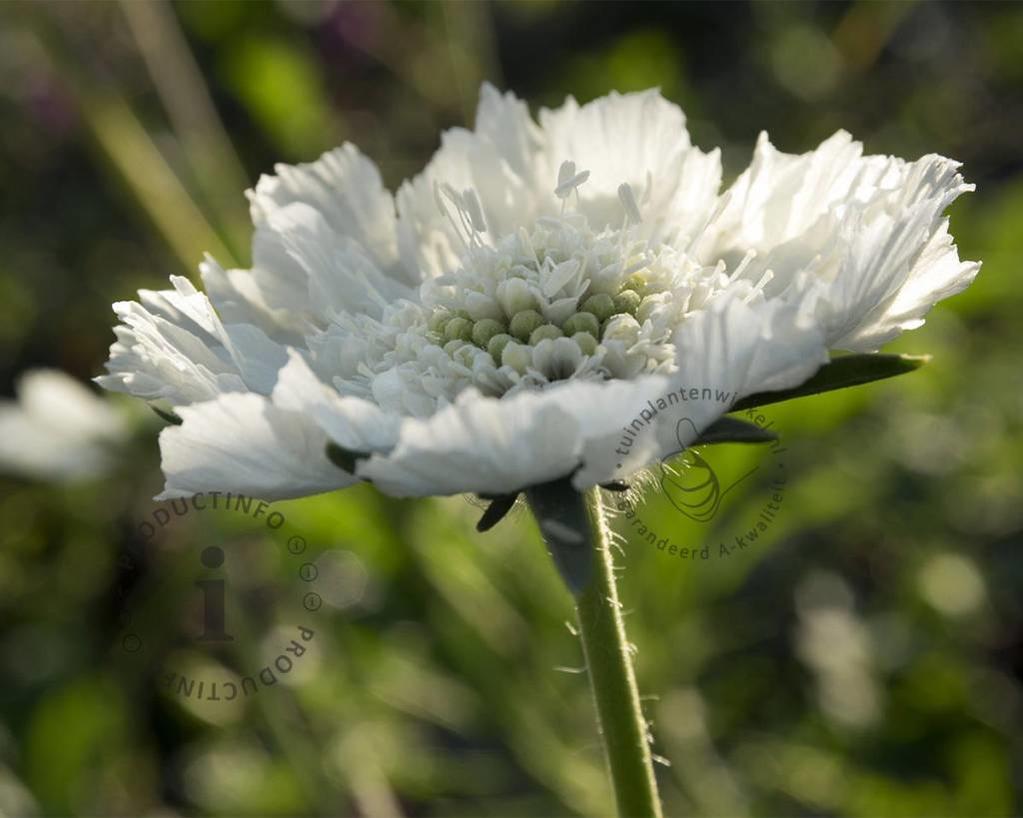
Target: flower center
555 302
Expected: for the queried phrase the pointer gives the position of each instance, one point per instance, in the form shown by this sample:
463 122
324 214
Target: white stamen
741 267
442 206
759 286
472 206
628 200
566 171
569 180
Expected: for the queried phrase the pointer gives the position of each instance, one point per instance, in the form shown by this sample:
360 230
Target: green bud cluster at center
454 329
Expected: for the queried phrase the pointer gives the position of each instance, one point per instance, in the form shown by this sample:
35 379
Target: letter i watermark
214 618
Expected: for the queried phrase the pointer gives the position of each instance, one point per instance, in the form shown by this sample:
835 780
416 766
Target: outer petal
173 346
339 276
780 196
498 160
865 232
354 423
639 139
512 165
346 188
898 260
479 444
937 274
243 443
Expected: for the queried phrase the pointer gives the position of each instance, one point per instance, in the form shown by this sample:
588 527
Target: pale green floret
458 328
496 345
586 342
582 322
648 305
523 323
465 355
601 305
514 295
486 329
451 347
517 356
637 283
438 321
627 301
546 331
620 328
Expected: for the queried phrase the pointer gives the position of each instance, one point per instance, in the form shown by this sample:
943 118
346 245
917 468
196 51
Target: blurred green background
865 659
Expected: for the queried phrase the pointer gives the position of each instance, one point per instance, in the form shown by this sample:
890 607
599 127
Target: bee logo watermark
702 502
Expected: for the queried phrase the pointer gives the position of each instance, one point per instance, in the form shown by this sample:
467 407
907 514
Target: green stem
561 512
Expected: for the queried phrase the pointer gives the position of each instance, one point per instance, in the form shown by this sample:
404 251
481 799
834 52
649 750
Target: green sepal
167 415
560 512
733 430
839 373
499 506
344 459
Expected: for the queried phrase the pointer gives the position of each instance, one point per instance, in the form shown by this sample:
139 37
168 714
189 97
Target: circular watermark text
201 613
683 499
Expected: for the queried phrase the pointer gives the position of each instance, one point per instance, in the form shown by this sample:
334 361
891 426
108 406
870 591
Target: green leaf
839 373
344 459
733 430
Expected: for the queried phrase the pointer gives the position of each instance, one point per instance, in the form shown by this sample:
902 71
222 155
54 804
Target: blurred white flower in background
495 324
58 430
836 645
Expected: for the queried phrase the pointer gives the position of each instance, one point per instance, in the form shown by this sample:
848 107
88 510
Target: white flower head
58 430
497 322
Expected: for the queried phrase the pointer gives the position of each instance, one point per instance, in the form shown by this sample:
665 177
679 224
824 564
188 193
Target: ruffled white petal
937 274
857 229
353 423
339 276
897 260
498 161
173 346
242 443
635 139
639 139
346 188
479 444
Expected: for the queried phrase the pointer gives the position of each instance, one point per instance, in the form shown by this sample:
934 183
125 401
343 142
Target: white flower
496 323
58 429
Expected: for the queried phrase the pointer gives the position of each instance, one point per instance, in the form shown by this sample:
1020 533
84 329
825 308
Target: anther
628 200
568 179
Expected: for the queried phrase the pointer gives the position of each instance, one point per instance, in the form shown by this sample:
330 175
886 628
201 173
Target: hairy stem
573 524
612 678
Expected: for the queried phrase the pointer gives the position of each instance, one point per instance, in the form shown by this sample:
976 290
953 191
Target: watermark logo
189 591
704 500
689 481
